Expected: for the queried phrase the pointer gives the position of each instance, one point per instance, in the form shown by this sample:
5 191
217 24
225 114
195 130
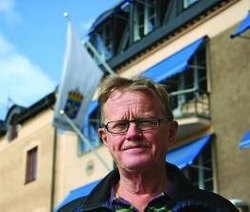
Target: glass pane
200 173
188 3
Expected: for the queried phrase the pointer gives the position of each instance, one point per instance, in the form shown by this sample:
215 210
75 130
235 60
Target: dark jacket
186 196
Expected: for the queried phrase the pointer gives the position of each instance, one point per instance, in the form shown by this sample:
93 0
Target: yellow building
200 50
39 164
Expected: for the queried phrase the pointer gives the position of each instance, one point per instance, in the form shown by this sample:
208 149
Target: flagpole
85 140
106 66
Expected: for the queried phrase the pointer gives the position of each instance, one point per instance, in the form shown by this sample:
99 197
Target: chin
136 164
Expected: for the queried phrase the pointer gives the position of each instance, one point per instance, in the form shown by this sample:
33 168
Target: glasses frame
158 122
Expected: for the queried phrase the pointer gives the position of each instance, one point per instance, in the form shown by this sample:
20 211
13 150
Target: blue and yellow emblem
73 103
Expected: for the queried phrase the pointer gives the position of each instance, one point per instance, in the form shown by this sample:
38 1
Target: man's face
136 149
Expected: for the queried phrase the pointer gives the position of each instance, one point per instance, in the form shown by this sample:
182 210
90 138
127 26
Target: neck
140 187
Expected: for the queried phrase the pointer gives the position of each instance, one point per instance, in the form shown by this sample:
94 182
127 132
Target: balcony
191 110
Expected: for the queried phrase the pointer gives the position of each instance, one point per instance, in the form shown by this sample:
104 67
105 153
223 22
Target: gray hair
114 82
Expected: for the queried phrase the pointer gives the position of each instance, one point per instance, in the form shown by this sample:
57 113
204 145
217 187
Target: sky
32 45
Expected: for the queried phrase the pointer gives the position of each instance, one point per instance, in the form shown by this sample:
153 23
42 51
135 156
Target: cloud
20 80
8 12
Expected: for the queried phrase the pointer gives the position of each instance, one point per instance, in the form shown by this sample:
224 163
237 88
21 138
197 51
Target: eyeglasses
145 124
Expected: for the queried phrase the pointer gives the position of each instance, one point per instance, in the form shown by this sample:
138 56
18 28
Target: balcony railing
190 102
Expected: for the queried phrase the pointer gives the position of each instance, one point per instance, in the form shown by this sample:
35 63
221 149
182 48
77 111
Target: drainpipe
53 176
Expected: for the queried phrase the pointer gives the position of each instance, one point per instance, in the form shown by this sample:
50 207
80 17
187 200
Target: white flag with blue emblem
81 76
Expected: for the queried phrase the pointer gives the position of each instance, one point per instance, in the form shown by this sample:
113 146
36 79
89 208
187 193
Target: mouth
135 146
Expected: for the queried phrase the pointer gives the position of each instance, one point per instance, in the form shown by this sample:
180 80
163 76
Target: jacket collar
101 193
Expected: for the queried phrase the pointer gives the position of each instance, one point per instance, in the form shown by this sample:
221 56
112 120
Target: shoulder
97 199
213 200
72 206
188 195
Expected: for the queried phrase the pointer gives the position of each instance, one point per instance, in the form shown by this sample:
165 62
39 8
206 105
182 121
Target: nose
133 132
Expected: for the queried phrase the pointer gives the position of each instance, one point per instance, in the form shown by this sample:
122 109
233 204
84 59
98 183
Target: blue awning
245 142
186 154
77 193
174 64
244 25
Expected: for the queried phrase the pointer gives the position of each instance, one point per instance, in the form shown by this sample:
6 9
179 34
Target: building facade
186 45
26 147
39 163
194 48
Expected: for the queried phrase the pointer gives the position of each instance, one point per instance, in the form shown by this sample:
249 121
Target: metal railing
190 102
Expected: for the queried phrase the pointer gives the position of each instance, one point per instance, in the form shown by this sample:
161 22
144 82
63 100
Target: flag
80 78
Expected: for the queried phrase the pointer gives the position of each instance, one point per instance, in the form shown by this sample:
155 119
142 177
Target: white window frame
199 167
144 15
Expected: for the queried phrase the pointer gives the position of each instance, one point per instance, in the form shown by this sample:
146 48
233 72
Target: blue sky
32 45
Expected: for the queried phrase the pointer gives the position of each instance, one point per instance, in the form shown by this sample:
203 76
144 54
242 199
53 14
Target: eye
148 123
119 125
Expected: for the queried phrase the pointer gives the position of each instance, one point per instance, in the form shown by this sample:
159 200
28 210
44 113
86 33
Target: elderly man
138 127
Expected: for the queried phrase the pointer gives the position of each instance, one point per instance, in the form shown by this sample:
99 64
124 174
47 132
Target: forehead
135 102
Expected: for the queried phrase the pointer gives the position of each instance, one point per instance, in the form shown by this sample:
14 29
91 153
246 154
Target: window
188 3
12 131
124 40
31 165
13 128
188 90
145 18
200 173
102 41
107 37
150 16
90 132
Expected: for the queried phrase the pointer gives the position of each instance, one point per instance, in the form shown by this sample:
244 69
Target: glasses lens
121 126
117 126
147 124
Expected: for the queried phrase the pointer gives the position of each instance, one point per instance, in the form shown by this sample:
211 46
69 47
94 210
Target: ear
103 135
172 133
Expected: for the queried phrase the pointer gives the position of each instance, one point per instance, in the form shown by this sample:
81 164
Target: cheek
159 140
114 142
